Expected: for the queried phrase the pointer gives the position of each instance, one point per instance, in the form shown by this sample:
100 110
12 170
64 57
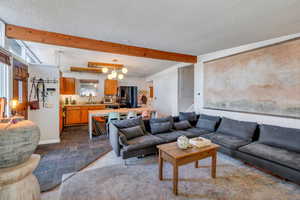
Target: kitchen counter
78 113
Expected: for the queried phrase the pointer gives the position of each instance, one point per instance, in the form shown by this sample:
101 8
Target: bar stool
97 122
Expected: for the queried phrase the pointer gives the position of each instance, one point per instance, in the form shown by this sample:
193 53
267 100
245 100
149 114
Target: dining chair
131 115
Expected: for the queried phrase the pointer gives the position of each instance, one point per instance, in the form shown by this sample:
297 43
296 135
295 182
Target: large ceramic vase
17 142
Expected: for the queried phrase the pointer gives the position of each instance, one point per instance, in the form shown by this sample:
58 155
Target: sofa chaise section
278 150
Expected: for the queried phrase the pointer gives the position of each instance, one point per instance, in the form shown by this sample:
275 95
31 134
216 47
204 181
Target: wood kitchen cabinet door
73 116
67 85
110 87
84 115
151 92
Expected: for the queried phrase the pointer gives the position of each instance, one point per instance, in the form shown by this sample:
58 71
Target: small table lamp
13 104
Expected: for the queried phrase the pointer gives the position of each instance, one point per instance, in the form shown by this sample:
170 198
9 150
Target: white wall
165 85
280 121
46 118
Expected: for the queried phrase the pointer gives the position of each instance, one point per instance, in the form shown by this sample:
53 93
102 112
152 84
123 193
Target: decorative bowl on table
17 142
183 142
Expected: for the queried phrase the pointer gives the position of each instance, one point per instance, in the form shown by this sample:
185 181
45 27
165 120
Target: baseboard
51 141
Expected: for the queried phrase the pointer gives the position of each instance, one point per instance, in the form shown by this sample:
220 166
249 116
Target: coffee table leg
196 164
161 165
213 165
175 179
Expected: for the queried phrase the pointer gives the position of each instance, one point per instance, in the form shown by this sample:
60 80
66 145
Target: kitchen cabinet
110 87
84 115
80 114
73 115
67 86
151 92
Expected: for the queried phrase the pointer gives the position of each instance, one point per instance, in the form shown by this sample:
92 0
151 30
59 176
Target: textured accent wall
264 81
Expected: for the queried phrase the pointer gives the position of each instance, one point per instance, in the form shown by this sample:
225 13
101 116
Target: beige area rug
139 181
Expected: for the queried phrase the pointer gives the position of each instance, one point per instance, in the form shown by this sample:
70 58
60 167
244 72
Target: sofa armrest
123 140
114 138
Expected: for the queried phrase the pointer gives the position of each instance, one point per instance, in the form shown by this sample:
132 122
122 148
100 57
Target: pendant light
120 76
109 76
105 70
114 74
124 70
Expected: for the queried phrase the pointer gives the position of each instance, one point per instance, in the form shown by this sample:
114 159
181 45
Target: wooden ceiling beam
35 35
86 69
108 65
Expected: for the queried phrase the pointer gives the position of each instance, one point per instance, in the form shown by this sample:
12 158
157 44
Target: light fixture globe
109 76
124 70
114 74
104 69
120 76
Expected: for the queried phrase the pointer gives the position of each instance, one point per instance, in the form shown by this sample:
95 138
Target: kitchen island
105 112
75 114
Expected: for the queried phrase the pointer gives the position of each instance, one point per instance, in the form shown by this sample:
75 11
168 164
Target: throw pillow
190 116
160 127
182 125
127 123
206 124
156 125
132 132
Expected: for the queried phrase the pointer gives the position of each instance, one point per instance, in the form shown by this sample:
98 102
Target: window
15 48
29 58
2 34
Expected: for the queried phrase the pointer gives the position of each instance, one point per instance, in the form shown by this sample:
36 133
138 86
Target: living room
217 113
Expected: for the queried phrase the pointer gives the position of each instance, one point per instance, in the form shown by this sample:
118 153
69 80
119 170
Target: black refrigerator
127 96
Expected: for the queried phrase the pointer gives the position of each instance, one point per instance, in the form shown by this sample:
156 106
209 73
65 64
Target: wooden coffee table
171 153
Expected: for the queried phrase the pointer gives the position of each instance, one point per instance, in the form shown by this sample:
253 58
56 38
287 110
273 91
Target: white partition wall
47 117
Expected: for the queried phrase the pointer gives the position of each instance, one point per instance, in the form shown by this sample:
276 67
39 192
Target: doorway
186 89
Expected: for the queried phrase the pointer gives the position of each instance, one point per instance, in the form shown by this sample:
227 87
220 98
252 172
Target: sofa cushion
190 116
206 124
170 136
241 129
142 142
287 138
182 125
196 132
278 155
231 142
127 123
132 132
159 125
210 117
208 136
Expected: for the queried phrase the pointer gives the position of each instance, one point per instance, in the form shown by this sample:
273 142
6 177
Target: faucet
90 100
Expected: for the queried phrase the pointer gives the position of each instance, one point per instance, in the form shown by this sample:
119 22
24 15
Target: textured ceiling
194 26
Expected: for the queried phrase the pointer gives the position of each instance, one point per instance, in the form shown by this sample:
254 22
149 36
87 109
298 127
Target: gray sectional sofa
273 148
